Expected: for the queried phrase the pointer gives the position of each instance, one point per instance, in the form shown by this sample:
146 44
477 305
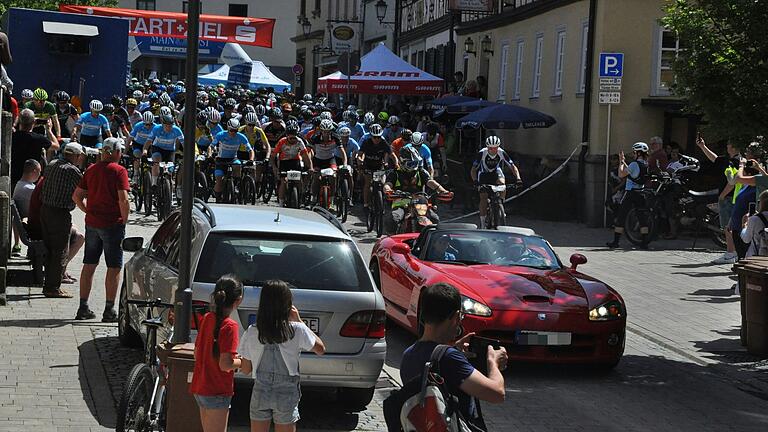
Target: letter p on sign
611 65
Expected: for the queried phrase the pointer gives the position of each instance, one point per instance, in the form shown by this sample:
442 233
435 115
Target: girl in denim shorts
271 349
216 359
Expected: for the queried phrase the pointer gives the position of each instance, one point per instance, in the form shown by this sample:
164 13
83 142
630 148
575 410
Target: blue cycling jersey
351 146
425 152
166 140
92 126
141 133
228 145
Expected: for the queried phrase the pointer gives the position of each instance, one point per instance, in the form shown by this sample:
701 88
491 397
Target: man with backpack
460 385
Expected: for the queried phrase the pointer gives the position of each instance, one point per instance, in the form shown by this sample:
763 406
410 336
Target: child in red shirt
216 359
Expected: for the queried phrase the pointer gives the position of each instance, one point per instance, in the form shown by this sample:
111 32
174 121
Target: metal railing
416 13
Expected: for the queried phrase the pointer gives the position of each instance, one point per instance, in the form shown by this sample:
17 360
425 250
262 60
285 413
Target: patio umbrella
450 100
468 107
503 116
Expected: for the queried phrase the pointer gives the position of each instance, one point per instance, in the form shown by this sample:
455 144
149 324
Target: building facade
279 58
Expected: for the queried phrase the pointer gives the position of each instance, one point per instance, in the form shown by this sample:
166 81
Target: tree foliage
50 4
722 69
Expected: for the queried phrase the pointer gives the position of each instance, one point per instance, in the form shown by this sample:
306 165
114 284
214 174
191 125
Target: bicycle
327 176
247 189
293 187
139 189
496 216
229 192
266 186
164 194
202 179
375 216
343 198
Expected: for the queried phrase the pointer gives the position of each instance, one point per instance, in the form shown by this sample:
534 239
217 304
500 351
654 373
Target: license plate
379 176
313 324
294 175
543 338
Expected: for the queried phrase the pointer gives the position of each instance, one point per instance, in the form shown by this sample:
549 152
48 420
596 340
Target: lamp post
486 44
306 27
469 46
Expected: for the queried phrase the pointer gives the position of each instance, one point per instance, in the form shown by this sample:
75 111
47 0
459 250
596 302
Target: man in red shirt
103 196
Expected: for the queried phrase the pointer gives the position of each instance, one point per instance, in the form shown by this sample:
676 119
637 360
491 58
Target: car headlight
609 311
473 307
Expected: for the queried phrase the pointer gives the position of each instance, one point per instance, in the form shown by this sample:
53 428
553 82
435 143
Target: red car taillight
199 309
365 324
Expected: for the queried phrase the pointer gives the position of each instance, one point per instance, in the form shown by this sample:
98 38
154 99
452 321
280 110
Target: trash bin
182 413
753 288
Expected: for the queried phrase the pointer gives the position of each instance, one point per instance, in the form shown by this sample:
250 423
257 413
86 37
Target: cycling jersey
48 110
486 163
351 146
63 115
290 151
407 182
166 140
228 144
256 138
392 133
92 126
203 137
374 153
141 133
425 152
274 132
135 117
325 149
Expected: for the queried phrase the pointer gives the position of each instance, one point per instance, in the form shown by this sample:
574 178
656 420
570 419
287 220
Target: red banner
244 31
402 87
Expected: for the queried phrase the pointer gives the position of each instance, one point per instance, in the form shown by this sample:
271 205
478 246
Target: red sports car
514 290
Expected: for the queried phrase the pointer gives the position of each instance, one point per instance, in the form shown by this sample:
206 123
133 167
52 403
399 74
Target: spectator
482 87
471 89
760 179
62 177
457 86
441 314
5 59
657 159
22 193
748 169
26 144
753 226
103 196
674 158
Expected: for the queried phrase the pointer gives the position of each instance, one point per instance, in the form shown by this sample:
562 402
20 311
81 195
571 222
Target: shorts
489 178
92 141
161 154
290 165
725 208
213 402
222 164
107 240
137 149
276 394
319 164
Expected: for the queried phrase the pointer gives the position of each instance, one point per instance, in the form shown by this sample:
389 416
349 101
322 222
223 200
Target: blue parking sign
611 65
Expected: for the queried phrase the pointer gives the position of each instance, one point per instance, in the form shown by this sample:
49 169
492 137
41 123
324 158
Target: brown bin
753 287
183 415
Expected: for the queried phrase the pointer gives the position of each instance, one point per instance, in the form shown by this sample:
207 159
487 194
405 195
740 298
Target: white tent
254 75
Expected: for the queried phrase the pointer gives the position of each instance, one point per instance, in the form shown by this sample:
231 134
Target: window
303 8
420 60
185 7
146 5
503 72
559 63
239 10
518 69
668 47
536 89
584 53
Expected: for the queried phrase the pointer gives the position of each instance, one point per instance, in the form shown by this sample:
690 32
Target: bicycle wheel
499 218
228 195
632 226
293 199
342 200
164 199
379 212
134 409
201 186
138 196
324 197
248 190
147 189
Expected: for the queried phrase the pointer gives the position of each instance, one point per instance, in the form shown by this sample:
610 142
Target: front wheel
342 202
146 188
378 209
499 218
201 186
164 199
293 200
633 223
247 190
134 413
228 195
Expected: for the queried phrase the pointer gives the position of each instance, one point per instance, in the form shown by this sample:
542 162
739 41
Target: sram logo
245 34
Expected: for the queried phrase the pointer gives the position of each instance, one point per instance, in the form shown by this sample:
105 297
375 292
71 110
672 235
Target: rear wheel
293 201
134 410
379 211
632 226
342 203
201 186
147 189
164 199
355 399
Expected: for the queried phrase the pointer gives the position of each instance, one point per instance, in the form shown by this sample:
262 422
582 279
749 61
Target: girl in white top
270 349
753 225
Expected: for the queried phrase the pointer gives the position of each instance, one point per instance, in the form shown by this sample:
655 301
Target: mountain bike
343 197
247 188
375 216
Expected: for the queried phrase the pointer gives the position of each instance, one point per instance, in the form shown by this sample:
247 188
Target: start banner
215 28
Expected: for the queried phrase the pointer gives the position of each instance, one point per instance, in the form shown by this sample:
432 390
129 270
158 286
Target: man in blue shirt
356 129
441 314
636 174
92 125
139 135
228 143
164 141
417 142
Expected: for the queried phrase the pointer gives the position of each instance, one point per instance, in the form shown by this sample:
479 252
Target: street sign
609 97
297 69
611 65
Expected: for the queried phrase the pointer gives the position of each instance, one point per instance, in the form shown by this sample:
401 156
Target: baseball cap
112 145
73 148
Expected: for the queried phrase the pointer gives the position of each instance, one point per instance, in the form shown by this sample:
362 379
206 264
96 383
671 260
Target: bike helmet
292 127
368 118
417 138
410 158
377 130
96 105
393 120
233 124
260 110
276 113
27 94
308 97
345 116
326 125
326 115
165 111
344 131
640 147
353 116
213 115
109 109
493 141
251 119
131 102
351 108
148 117
201 118
40 94
167 119
165 99
62 96
137 94
117 101
230 103
383 116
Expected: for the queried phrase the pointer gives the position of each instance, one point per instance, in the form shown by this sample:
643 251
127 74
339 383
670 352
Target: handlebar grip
152 303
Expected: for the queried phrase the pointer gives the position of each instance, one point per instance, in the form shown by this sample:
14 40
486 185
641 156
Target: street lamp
306 27
485 45
469 46
381 10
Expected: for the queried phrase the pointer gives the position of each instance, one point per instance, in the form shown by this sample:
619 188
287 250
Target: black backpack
642 177
424 403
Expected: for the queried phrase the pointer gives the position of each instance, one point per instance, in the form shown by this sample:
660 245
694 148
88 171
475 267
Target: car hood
515 288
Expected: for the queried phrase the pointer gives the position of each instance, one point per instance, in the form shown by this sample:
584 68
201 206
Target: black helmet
292 127
108 109
406 135
202 117
409 158
117 101
166 119
62 96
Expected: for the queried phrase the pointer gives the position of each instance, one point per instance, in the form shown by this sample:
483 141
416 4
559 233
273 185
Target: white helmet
148 117
27 94
251 119
640 147
343 131
326 115
326 125
96 105
213 115
369 118
417 138
137 94
164 111
493 141
233 124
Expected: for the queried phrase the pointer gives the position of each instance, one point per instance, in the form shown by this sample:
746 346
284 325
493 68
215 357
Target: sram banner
245 31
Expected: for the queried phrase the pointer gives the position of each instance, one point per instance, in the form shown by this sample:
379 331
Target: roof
259 219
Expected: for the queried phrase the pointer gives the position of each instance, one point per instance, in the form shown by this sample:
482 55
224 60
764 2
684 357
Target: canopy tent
382 72
254 75
504 116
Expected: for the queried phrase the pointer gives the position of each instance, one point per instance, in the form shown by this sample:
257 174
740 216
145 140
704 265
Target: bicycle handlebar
151 303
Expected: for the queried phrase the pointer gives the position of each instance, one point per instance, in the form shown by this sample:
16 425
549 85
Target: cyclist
164 141
404 139
436 143
134 116
116 125
488 169
368 120
352 147
636 174
373 155
228 143
288 155
393 131
43 110
276 127
140 133
258 141
417 142
410 177
356 129
117 101
325 145
229 110
64 112
91 125
382 118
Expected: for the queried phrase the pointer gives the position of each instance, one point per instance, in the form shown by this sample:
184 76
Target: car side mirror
133 244
577 260
402 249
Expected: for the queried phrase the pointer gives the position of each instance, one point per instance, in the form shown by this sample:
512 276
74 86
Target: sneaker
612 245
16 251
726 258
84 314
109 316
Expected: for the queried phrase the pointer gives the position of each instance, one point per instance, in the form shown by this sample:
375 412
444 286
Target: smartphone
752 208
478 351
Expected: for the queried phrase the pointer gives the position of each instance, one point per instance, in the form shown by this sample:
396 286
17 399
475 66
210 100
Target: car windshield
490 247
313 264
